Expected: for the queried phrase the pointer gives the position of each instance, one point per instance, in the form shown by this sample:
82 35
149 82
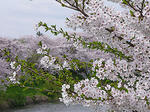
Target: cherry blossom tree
119 79
121 76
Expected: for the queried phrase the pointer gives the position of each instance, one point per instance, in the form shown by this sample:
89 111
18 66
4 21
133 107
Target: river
52 107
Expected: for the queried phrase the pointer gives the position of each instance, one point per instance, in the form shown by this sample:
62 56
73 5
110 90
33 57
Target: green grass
16 96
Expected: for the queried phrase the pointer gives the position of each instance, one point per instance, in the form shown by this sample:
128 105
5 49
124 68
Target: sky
18 17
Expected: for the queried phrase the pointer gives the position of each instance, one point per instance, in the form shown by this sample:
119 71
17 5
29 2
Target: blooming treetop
123 85
118 83
13 77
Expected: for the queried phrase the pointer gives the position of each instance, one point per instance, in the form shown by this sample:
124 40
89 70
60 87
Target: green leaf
40 44
131 13
124 2
25 89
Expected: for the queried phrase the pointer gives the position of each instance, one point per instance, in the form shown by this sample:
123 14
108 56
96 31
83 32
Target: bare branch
75 6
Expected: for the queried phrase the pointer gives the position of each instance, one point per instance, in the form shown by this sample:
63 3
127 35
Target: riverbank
15 97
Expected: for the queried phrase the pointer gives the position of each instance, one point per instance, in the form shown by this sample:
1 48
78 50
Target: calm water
59 107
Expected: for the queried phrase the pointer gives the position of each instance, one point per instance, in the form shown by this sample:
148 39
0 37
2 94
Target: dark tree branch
75 6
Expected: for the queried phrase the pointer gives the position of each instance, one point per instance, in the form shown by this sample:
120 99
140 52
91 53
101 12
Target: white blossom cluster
129 33
110 69
65 96
138 86
42 50
13 77
87 93
49 61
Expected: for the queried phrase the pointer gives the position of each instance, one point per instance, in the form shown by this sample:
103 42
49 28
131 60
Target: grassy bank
16 96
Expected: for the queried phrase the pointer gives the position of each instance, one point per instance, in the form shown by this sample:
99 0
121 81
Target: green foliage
35 80
124 2
16 95
132 13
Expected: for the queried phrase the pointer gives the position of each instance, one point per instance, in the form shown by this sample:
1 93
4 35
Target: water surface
57 107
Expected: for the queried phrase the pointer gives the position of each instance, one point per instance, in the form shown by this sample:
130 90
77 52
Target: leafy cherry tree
119 80
121 76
